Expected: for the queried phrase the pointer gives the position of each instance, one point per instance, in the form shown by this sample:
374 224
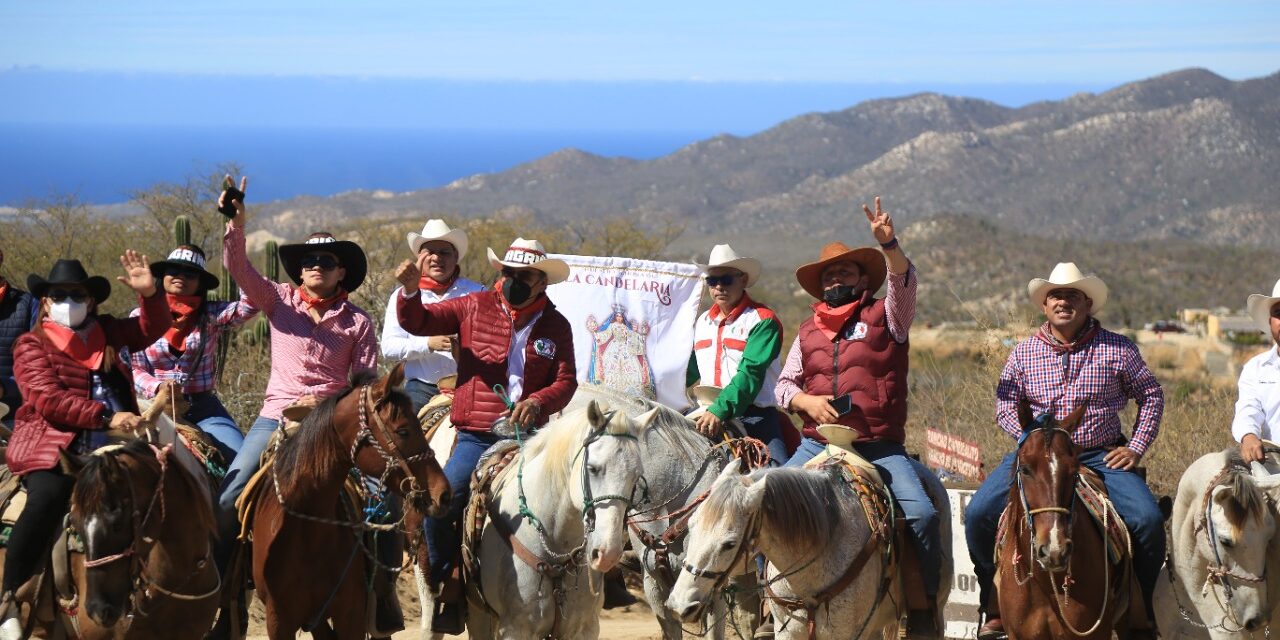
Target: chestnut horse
1053 576
309 559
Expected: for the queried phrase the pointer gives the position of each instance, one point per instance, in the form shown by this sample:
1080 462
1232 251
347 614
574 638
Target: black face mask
515 291
839 295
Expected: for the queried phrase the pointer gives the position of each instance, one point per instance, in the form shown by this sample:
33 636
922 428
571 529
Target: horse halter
1218 573
1028 512
589 502
386 448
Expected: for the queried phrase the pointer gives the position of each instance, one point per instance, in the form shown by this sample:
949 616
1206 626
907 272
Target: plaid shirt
1107 372
157 364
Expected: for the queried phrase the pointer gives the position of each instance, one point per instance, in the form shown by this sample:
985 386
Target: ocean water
103 164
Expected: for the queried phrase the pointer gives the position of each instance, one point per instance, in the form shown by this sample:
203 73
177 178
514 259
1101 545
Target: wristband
887 246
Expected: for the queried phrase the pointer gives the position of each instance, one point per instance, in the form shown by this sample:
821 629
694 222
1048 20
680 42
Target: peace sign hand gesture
881 223
137 273
231 200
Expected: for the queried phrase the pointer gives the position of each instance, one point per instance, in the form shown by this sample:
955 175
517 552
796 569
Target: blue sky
657 40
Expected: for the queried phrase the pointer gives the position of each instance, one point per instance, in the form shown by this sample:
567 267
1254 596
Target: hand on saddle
525 413
407 274
1122 458
818 408
1251 449
708 424
125 421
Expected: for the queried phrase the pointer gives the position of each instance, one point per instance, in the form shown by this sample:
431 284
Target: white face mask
68 313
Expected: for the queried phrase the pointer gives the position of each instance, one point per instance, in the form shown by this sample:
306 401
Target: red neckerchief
436 286
830 321
743 304
183 309
322 304
520 316
4 288
1046 336
87 351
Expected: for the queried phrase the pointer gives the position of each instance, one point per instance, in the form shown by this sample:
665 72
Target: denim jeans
1133 501
442 534
905 478
762 423
207 412
420 393
245 464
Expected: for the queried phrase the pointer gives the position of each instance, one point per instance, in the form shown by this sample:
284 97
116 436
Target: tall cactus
182 230
259 332
227 291
273 260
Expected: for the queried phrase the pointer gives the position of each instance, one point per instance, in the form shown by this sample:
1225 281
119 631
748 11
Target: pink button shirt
307 358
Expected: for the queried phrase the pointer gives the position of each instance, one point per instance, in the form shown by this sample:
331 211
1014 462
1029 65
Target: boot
615 591
10 620
922 624
448 619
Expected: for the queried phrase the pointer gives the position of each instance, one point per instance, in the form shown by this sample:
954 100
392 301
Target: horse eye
403 432
593 470
728 545
1026 471
1226 542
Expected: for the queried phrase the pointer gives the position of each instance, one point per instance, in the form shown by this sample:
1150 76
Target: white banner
632 323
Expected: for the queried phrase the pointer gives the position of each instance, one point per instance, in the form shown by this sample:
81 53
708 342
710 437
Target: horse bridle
391 455
1218 573
589 502
746 544
1030 513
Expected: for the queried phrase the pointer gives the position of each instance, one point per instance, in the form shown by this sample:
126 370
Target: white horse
812 529
1224 579
540 575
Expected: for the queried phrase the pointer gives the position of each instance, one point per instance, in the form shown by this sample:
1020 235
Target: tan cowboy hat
839 435
447 383
1259 307
529 254
870 259
723 255
1068 276
436 229
705 395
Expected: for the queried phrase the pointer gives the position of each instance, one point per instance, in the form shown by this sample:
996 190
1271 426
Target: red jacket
484 336
57 390
865 362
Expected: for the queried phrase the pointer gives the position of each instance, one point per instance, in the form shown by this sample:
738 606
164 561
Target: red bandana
715 314
520 316
431 284
1046 336
322 304
831 321
183 309
88 351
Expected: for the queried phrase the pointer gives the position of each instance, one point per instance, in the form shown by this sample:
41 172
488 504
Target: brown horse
309 562
147 526
1053 576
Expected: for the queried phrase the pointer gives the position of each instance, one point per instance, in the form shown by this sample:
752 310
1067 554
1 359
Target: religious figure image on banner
620 359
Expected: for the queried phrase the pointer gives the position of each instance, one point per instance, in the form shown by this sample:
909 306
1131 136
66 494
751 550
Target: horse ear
71 463
1025 417
1074 418
595 415
755 491
395 378
729 471
647 419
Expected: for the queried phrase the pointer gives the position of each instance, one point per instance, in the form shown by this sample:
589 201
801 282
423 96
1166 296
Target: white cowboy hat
529 254
1259 307
436 229
723 255
1068 276
704 395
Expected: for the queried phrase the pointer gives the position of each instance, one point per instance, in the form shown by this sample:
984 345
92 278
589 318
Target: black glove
230 193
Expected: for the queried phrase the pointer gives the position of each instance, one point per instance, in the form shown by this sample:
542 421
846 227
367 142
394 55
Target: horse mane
314 451
93 483
668 425
1247 499
559 440
801 501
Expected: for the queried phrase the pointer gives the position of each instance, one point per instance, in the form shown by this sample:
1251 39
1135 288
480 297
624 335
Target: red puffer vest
56 388
872 368
484 336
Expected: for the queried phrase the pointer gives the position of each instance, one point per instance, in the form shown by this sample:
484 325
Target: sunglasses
61 295
325 263
186 274
720 280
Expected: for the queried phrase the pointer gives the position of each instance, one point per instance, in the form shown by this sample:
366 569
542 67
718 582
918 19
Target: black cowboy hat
70 272
350 257
186 256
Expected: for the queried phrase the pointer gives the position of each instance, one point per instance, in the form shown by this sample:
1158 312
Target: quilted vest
15 319
719 347
865 362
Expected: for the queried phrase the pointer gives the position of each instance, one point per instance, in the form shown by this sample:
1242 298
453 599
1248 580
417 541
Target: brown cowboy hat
870 259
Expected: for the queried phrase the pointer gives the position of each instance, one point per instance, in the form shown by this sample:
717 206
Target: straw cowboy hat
529 254
350 256
723 255
704 395
186 256
70 272
1259 307
1068 276
870 259
436 229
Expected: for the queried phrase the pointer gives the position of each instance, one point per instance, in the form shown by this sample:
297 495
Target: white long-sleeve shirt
420 362
1258 407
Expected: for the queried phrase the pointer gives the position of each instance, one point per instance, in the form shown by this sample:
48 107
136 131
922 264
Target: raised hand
408 274
231 200
881 223
137 273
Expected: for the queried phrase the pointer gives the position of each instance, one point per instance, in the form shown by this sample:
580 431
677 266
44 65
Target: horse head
1047 469
1239 525
113 510
721 541
389 443
609 469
